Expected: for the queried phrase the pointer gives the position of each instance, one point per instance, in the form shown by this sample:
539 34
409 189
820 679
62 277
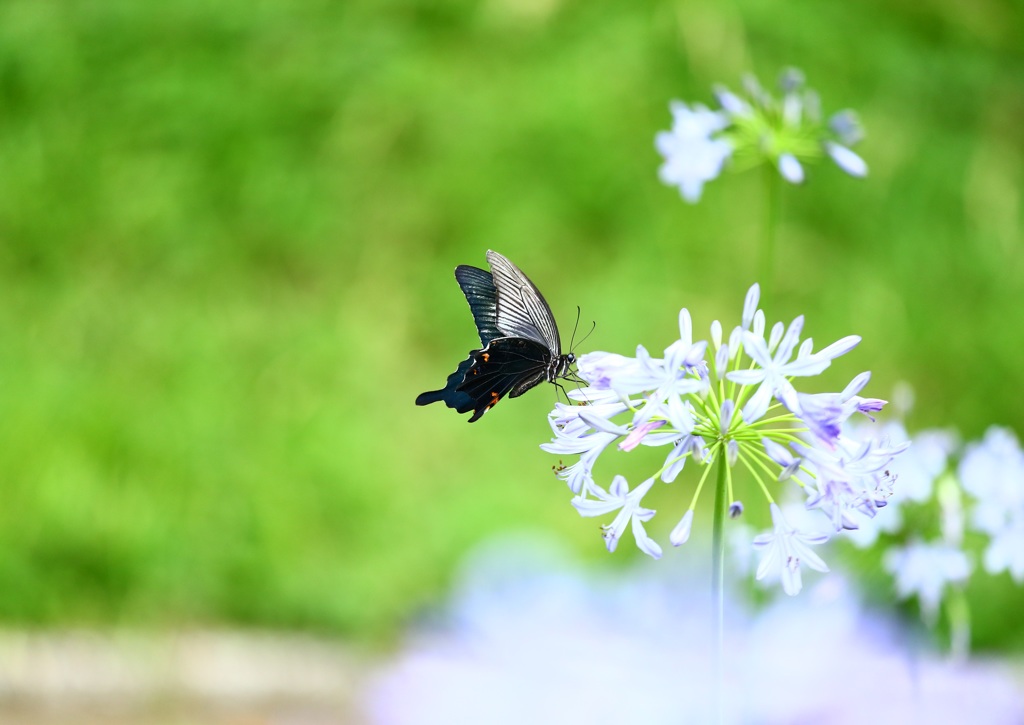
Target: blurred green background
227 235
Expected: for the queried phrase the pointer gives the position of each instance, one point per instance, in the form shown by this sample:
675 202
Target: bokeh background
227 236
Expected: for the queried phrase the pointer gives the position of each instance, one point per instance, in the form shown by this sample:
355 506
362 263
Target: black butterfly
521 346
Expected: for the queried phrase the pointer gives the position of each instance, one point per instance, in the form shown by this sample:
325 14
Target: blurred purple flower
530 639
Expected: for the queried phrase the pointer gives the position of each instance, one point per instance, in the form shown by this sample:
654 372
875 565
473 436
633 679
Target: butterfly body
521 345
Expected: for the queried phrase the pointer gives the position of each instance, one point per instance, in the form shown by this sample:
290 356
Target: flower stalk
718 583
773 204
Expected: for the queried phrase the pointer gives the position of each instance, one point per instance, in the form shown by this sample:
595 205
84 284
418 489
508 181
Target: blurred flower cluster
949 500
753 128
531 638
730 403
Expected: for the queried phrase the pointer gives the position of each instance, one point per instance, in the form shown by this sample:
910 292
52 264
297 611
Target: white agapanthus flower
731 404
785 549
1005 552
925 570
757 127
992 471
693 156
627 503
789 131
913 474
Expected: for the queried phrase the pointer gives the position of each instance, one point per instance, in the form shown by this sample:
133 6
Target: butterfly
521 346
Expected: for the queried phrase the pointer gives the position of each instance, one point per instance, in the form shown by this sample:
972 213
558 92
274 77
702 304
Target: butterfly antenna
593 326
573 338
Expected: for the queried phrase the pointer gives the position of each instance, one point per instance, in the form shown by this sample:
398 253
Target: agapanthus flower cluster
731 402
945 490
753 128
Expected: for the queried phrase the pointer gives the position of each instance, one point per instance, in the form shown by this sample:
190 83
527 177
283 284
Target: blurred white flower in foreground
527 641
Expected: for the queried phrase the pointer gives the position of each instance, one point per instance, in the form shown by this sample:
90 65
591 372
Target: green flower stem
959 613
786 418
744 459
668 463
761 458
718 583
700 484
772 202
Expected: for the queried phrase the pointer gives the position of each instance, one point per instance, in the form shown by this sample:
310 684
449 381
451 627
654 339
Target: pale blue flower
627 503
681 533
912 474
529 636
599 369
846 159
825 413
731 104
850 477
773 372
679 415
785 549
847 127
781 455
750 307
788 131
588 445
628 376
691 405
791 169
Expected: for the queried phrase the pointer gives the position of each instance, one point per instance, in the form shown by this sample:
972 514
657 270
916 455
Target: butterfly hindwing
450 393
507 366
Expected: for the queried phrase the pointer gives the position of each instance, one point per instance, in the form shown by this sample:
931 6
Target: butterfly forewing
522 310
478 286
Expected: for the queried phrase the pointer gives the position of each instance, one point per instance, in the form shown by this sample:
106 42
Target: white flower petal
681 533
750 305
840 347
791 169
846 159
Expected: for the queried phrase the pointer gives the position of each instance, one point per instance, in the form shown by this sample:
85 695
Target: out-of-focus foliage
227 232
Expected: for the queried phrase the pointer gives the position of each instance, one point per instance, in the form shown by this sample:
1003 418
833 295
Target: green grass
227 235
